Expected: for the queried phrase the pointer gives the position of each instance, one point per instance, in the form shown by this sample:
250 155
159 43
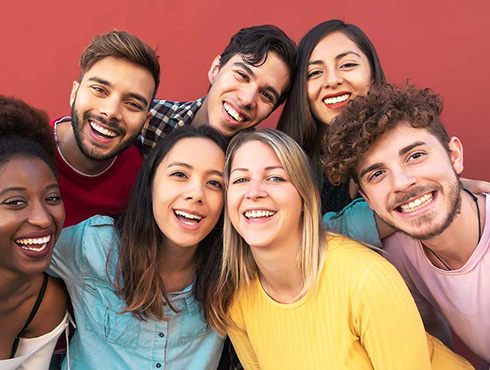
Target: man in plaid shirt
249 80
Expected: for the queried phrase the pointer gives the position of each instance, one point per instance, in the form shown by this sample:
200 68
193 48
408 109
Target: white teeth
102 130
336 99
40 249
417 203
188 215
29 241
258 214
233 113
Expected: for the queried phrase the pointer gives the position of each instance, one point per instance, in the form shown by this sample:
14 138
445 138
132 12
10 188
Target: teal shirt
106 339
356 221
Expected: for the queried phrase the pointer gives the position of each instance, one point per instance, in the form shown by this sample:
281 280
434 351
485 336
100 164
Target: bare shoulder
51 311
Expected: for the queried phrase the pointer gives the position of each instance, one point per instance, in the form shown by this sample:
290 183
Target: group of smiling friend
184 224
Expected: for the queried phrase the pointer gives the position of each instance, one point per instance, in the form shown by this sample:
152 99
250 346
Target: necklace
475 198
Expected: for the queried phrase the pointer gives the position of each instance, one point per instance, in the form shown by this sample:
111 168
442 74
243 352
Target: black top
334 198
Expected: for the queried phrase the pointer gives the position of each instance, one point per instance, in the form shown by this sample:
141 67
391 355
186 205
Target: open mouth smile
416 204
103 132
233 113
258 214
337 99
34 244
188 218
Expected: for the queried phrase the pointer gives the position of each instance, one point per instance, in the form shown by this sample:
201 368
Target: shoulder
52 310
347 250
97 232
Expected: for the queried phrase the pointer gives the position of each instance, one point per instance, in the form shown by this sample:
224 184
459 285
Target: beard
92 152
454 191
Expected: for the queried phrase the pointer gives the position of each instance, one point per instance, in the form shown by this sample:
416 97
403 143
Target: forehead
247 156
201 153
122 74
273 72
388 146
334 44
26 172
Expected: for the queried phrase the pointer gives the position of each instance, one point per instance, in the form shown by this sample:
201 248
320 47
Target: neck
13 284
458 242
201 116
278 271
178 266
68 146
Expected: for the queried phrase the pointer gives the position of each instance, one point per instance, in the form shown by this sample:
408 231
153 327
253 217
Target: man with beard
407 169
96 158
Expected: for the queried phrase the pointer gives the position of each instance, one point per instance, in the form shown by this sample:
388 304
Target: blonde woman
294 297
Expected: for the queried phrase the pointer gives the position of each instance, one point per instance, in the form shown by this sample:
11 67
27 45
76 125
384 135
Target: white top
462 296
35 353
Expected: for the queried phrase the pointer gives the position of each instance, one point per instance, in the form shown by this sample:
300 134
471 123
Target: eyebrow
401 152
19 188
251 73
408 148
338 57
266 169
186 165
133 95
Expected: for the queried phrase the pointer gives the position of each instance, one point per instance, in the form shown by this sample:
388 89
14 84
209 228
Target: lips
36 246
337 100
102 131
233 113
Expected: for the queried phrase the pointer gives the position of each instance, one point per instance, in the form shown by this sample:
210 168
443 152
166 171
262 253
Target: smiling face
110 107
187 191
241 95
338 71
411 182
263 205
31 215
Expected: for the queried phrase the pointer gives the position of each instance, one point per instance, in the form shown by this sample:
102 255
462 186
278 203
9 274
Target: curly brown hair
367 118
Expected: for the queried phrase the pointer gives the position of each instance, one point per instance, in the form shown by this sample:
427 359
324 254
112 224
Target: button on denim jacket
107 339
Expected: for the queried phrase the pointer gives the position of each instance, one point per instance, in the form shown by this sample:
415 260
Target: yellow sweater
360 316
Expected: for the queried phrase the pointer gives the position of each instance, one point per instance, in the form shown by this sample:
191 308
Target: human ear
456 154
73 94
214 70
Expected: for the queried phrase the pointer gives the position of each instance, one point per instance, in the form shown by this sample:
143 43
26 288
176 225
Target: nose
111 108
247 96
255 190
194 191
333 78
402 180
40 216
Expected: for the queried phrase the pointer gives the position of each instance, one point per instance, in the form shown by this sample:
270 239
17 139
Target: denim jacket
107 339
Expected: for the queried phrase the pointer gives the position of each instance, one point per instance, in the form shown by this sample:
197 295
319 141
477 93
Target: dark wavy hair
25 132
297 120
137 278
255 43
368 118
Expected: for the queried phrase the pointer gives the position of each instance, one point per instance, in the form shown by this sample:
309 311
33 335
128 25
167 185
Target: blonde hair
238 268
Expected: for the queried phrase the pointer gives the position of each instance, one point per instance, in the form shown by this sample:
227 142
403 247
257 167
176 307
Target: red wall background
440 44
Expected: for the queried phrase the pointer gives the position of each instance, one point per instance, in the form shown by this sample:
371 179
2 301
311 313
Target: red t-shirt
106 194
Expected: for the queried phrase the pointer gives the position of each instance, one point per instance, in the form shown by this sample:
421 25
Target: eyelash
243 75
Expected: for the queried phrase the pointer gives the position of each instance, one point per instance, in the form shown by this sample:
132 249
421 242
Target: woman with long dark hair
138 284
337 62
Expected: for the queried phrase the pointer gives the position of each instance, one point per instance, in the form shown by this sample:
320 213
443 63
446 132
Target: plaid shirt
166 116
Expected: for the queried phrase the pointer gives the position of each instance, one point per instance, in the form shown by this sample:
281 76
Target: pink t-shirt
462 296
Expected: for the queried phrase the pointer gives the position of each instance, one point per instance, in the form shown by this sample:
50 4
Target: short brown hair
367 118
121 45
